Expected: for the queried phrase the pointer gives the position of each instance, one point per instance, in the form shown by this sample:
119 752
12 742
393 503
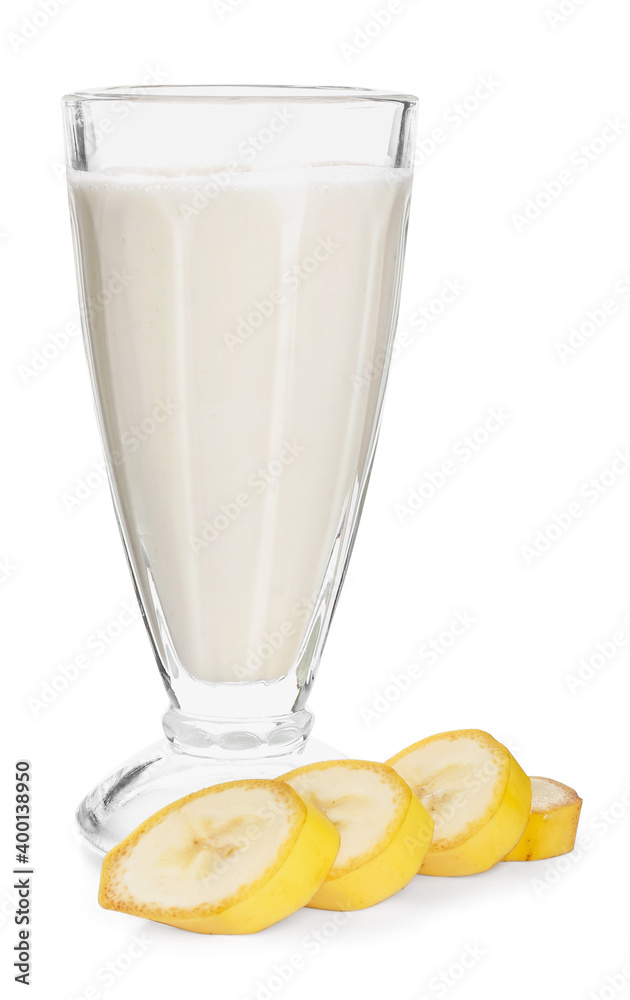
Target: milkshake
236 334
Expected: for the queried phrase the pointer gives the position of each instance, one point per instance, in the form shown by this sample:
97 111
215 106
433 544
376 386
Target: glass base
161 773
230 738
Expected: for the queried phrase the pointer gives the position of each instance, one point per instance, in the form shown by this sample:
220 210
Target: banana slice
231 859
385 830
552 824
478 797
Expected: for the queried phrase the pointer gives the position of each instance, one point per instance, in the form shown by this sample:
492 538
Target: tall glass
239 255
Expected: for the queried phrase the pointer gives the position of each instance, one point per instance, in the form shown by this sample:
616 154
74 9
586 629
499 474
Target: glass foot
161 773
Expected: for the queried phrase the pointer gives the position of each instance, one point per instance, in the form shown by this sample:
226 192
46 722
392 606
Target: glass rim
224 93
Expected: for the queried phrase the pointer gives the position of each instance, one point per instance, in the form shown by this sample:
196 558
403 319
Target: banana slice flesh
477 795
553 822
385 831
230 859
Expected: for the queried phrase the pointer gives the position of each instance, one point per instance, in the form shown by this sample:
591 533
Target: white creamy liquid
237 336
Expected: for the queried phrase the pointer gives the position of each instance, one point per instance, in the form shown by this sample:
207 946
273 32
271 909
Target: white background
548 929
